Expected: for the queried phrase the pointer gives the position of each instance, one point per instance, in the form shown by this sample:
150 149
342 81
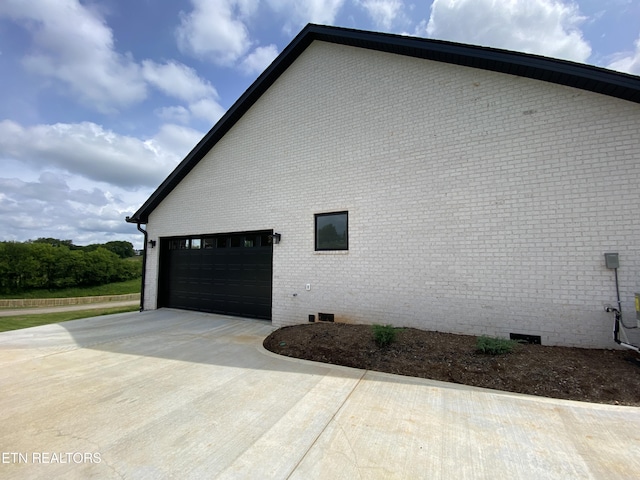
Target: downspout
144 266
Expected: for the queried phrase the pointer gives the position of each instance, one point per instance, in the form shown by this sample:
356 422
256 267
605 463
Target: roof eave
561 72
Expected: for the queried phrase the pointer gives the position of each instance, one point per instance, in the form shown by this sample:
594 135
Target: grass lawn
16 322
119 288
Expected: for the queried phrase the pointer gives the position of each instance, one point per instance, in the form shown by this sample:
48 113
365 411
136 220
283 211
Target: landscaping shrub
494 346
384 335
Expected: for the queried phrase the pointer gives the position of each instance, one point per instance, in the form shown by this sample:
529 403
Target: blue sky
102 99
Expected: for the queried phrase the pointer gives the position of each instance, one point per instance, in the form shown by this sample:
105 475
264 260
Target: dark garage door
223 273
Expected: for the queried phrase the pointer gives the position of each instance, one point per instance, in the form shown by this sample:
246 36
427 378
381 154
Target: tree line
49 263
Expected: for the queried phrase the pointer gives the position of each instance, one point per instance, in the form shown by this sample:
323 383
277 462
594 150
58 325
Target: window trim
315 231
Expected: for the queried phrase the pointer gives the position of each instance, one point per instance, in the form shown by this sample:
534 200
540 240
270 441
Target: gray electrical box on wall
611 260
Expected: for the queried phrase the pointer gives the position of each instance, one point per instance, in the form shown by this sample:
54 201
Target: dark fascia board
563 72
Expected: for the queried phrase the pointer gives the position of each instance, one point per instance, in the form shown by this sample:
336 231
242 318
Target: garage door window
221 242
180 244
265 240
236 241
250 241
332 231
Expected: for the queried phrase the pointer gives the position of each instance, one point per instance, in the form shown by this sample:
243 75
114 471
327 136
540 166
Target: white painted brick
478 202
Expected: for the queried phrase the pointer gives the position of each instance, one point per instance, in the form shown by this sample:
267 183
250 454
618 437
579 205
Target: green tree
42 274
127 270
51 264
65 269
16 267
54 242
120 248
101 266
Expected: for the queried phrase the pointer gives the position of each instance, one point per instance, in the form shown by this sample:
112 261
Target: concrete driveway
173 394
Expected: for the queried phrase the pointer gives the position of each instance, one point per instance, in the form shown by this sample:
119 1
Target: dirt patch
591 375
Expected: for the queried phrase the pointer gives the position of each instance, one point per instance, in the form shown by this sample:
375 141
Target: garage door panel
229 273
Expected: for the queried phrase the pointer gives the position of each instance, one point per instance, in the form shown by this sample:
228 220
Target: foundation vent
521 337
325 317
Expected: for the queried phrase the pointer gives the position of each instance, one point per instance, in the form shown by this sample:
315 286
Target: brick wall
478 202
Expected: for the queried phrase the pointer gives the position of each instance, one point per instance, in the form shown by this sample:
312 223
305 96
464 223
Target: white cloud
101 155
74 45
182 82
259 59
318 11
301 12
177 80
174 114
50 207
544 27
79 181
207 109
50 187
174 141
383 12
628 62
214 30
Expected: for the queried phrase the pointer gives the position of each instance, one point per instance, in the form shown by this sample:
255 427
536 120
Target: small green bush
384 334
494 346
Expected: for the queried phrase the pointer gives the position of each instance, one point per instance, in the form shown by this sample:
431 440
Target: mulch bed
592 375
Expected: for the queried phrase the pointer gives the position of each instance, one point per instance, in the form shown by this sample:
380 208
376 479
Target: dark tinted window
332 231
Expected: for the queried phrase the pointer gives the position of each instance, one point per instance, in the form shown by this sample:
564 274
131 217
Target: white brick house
481 189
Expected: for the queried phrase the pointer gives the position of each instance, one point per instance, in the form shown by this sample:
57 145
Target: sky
100 100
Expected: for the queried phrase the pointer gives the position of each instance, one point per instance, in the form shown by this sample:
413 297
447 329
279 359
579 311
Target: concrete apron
174 394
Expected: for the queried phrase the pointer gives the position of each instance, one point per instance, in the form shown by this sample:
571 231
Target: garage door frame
227 273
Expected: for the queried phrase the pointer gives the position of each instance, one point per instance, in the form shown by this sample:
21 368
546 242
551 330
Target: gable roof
586 77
